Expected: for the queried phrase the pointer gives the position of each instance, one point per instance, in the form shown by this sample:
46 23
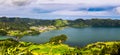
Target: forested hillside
25 23
17 23
95 23
34 26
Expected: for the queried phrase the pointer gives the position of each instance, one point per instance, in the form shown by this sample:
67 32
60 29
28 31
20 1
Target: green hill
11 47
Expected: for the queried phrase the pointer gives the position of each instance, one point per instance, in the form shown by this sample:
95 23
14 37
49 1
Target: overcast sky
66 9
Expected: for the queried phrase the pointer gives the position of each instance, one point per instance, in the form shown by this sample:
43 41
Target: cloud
47 8
81 13
20 2
15 2
90 2
38 10
118 10
43 8
101 8
1 2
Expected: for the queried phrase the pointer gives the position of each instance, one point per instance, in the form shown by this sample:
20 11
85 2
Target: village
43 28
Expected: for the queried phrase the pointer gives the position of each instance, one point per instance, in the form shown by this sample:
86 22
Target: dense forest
16 23
95 23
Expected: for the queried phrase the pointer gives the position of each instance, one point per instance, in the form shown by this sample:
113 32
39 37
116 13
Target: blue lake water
78 36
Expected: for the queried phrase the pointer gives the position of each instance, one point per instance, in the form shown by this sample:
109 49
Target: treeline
15 26
95 23
16 23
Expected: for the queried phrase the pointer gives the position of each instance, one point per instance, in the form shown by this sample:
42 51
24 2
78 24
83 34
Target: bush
3 33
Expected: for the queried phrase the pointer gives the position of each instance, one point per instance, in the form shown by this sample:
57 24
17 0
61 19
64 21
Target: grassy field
11 47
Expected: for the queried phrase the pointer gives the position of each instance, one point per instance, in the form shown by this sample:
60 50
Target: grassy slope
12 48
50 49
100 48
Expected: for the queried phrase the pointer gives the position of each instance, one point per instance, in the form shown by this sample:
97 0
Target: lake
78 36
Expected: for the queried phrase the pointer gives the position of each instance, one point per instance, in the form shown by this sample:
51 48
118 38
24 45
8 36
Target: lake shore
78 36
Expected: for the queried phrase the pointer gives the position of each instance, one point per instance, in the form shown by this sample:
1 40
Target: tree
65 22
17 34
3 32
60 23
33 32
58 39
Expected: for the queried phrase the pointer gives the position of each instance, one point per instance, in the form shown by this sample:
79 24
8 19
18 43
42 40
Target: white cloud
14 2
58 7
84 2
90 2
118 10
20 2
1 2
66 12
81 13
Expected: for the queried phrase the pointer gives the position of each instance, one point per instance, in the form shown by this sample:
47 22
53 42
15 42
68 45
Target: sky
65 9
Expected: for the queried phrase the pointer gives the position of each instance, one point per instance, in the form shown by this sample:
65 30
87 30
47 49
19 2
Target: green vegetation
11 47
102 48
17 27
58 39
60 23
42 28
23 24
17 34
94 23
3 33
